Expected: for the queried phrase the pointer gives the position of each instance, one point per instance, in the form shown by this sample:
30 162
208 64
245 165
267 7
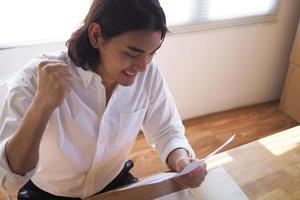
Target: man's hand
195 177
178 159
54 83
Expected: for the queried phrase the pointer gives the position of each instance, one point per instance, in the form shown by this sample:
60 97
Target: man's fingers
194 178
59 69
45 62
64 75
52 67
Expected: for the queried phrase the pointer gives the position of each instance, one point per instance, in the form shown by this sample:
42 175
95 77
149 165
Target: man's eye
131 55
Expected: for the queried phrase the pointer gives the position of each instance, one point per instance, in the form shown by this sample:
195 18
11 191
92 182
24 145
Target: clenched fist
54 82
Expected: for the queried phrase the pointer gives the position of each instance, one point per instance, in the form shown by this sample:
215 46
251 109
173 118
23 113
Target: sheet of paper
180 195
153 179
218 185
220 148
190 167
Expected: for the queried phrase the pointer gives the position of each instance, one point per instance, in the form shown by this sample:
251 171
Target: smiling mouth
130 73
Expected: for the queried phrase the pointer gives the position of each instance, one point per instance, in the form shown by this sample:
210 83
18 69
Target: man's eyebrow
132 48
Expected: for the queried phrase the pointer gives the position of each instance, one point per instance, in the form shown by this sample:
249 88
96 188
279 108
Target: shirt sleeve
162 125
20 89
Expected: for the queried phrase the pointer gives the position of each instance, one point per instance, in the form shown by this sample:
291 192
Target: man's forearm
22 150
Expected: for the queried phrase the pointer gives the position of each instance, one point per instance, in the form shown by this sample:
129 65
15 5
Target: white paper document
218 185
190 167
153 179
193 165
180 195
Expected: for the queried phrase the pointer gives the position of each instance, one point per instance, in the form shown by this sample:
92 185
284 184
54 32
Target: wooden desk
265 169
268 168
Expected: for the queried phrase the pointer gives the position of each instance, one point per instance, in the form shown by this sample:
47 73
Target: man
70 119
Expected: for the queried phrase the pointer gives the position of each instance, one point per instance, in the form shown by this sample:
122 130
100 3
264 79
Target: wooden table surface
268 168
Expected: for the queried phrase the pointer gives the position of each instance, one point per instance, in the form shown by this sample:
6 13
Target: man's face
124 56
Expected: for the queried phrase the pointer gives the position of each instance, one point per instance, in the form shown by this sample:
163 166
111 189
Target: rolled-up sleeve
162 125
10 181
20 90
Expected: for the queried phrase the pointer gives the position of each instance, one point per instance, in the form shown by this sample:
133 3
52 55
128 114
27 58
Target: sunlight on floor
283 142
218 160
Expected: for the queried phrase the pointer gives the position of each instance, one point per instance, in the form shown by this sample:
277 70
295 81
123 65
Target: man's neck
109 88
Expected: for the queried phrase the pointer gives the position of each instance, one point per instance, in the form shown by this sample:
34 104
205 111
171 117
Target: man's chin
126 83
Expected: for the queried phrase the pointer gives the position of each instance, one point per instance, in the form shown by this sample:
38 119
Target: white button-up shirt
86 143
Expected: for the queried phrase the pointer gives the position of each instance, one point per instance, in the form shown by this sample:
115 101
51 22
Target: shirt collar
86 76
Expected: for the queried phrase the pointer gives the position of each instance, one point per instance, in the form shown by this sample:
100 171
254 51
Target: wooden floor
208 132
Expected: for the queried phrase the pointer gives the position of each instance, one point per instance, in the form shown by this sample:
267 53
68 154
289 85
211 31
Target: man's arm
22 149
164 130
54 82
177 159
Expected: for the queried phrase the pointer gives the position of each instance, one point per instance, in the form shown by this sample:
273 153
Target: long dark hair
114 17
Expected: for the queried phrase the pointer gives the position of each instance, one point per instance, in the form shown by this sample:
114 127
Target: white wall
221 69
215 70
13 59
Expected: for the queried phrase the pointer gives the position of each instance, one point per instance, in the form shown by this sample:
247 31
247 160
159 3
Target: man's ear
95 36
